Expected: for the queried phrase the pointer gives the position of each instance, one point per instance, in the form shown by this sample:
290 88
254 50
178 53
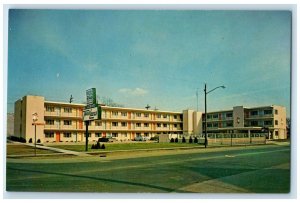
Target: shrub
183 140
176 140
190 140
102 146
196 140
155 138
30 140
93 146
172 140
38 141
98 145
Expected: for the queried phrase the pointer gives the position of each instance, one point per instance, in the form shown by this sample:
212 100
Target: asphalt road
257 169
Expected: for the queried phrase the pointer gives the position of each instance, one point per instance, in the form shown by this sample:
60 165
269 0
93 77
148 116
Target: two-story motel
63 122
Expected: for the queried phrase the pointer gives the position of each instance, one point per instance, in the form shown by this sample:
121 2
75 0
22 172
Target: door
57 137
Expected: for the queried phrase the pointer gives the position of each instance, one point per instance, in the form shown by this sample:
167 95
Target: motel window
114 124
49 122
115 113
276 133
49 134
146 115
276 111
268 122
165 125
209 125
175 116
50 108
229 115
138 124
158 115
146 124
67 110
124 124
276 122
98 134
158 125
146 134
67 134
208 116
229 124
138 114
98 123
254 113
175 125
267 112
215 116
89 135
67 122
254 123
165 115
124 113
114 134
215 124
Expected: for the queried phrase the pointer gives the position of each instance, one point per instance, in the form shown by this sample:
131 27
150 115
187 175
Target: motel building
63 122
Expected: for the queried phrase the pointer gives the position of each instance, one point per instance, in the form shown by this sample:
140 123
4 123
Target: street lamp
206 92
34 119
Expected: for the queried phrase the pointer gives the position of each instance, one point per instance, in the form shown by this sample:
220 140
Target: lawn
21 149
126 146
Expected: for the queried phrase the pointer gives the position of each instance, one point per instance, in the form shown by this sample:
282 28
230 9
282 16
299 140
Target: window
215 124
254 113
215 116
276 111
114 124
49 122
158 125
49 134
124 134
115 113
89 135
254 123
67 122
158 115
114 135
124 124
209 116
138 124
124 113
50 108
175 125
138 114
146 115
98 123
146 134
67 110
229 124
67 134
98 134
165 116
209 125
229 115
268 122
276 122
175 116
276 133
267 112
146 124
165 125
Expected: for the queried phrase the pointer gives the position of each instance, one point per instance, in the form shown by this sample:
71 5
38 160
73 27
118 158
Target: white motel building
63 122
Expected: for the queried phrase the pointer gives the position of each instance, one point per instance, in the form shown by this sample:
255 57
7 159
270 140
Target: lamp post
207 92
34 119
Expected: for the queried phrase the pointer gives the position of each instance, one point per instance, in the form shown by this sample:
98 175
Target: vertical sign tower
91 112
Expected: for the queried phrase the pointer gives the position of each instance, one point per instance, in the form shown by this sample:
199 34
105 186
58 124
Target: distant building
63 122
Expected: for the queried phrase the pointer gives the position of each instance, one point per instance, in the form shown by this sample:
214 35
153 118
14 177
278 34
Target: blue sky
153 57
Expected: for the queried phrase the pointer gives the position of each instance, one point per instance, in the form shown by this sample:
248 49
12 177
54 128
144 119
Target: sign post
92 111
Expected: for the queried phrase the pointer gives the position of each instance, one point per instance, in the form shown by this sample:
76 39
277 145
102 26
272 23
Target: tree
109 102
176 140
196 140
172 139
190 140
183 140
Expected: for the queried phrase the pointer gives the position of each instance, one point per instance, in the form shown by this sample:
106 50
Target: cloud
137 91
